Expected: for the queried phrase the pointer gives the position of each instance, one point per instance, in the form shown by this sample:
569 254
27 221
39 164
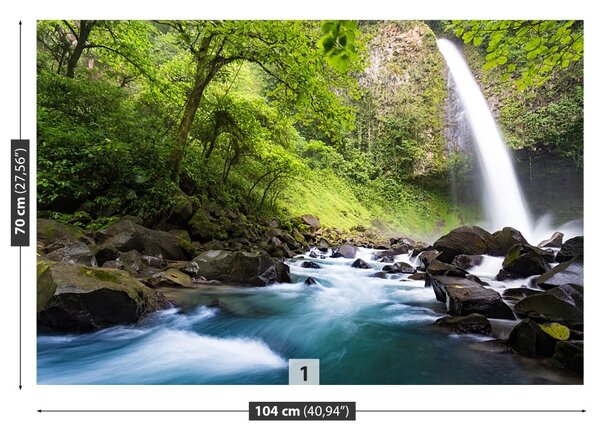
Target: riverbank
470 293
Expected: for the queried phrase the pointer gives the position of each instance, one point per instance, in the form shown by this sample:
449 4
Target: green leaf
556 330
502 60
477 41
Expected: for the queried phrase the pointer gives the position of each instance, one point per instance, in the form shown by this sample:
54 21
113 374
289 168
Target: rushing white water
503 199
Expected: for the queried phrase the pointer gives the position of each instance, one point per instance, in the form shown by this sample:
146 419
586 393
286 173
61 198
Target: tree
529 50
285 50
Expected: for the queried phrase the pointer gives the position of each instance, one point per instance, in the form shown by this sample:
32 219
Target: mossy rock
50 231
76 298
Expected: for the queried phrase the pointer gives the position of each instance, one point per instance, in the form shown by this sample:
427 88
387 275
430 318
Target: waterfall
502 197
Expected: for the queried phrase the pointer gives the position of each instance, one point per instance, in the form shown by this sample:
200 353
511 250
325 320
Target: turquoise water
364 330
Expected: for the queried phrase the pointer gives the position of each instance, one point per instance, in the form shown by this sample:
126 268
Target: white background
18 409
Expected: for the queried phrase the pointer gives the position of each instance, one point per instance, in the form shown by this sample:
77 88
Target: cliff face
401 116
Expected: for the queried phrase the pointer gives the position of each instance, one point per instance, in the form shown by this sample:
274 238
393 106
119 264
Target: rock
379 275
132 261
437 268
79 298
154 261
466 261
519 293
105 254
311 221
388 255
203 228
402 240
505 275
528 338
113 264
361 264
53 233
171 277
566 273
310 281
238 267
546 307
473 323
419 248
569 355
463 297
384 259
569 294
400 268
346 251
570 249
309 264
213 245
465 240
426 257
506 238
126 236
524 261
476 279
555 241
417 276
74 253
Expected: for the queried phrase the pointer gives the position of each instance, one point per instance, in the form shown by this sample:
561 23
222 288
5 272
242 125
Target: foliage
556 330
529 50
338 43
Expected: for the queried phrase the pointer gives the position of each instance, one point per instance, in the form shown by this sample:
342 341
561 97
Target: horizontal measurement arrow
358 411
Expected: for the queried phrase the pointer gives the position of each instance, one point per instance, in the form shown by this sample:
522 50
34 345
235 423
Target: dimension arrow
358 411
20 265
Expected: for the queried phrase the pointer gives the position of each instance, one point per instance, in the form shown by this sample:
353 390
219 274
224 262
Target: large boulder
126 235
529 339
546 307
569 355
566 273
524 260
389 254
55 235
519 293
310 264
554 241
182 209
238 267
463 297
74 253
426 257
506 238
570 249
346 251
204 228
465 240
473 323
79 298
569 294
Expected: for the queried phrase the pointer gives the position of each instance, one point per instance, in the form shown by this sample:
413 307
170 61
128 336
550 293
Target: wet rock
171 277
238 267
528 338
506 238
465 240
569 294
79 298
309 264
437 268
126 236
400 268
519 293
379 275
546 307
473 324
74 252
346 251
402 240
524 261
569 355
466 261
419 248
426 257
570 249
566 273
463 297
310 281
505 275
105 254
555 241
361 264
418 276
383 259
154 261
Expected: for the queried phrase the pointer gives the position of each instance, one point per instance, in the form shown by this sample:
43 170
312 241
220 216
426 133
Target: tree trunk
85 27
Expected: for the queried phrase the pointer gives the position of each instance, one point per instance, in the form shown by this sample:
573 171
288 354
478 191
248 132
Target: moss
101 274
